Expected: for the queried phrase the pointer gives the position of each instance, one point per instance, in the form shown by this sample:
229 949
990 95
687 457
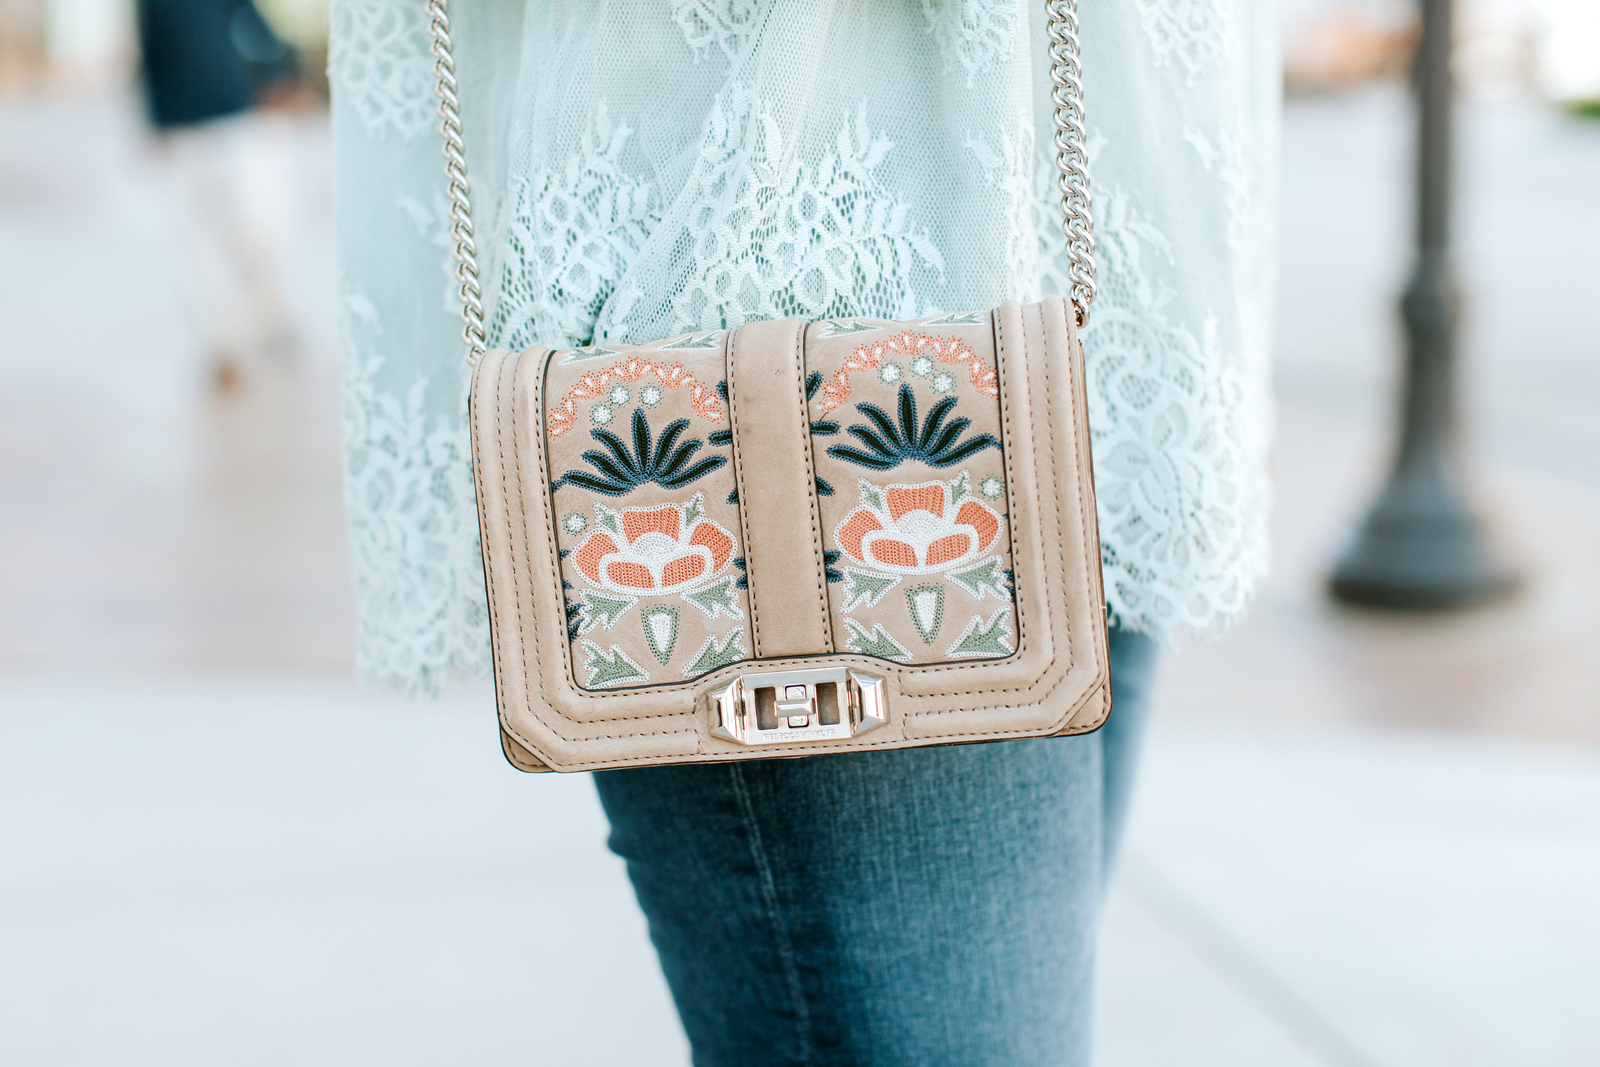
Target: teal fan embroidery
886 443
665 461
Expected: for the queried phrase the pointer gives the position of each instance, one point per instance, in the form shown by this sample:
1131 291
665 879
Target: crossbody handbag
791 538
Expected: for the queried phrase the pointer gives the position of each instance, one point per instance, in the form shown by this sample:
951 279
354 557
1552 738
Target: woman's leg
921 906
1133 672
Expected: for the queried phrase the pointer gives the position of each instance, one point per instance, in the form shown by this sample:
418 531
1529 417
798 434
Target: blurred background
1361 837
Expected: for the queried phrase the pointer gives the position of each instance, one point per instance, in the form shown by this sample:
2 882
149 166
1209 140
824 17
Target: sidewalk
247 870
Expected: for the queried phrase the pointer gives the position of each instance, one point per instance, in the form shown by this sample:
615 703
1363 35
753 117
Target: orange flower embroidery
564 416
653 553
913 530
907 344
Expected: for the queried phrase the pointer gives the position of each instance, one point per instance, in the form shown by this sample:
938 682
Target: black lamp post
1423 546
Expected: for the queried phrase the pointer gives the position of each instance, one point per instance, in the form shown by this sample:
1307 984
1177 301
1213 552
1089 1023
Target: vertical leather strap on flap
782 532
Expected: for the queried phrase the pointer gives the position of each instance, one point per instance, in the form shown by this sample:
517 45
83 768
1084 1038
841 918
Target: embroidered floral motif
608 383
820 428
885 445
664 461
926 603
613 669
984 640
840 329
584 355
830 566
985 579
909 345
910 529
957 318
663 550
716 654
660 631
878 643
603 609
704 340
866 587
718 598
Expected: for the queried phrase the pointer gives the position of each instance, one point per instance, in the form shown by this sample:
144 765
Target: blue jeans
918 907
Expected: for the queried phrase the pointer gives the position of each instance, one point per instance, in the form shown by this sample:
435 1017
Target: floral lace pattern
1197 34
720 24
413 528
976 34
378 63
608 216
1172 476
773 237
573 232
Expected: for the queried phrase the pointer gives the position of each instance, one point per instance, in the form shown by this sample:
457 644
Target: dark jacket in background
204 59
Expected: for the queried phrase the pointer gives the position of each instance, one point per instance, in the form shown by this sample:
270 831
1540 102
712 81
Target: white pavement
264 871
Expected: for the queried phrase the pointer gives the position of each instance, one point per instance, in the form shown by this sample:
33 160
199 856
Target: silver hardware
1072 154
782 707
455 174
1072 165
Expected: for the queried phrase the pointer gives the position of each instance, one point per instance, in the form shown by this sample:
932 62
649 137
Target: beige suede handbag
792 538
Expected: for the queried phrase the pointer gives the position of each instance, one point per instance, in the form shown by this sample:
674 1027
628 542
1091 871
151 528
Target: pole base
1422 548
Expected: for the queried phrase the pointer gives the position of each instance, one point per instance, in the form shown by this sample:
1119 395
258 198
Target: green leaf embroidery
608 518
660 631
969 318
609 670
604 609
927 610
714 654
960 488
879 643
840 329
871 495
865 586
984 579
986 640
580 355
717 598
705 340
695 509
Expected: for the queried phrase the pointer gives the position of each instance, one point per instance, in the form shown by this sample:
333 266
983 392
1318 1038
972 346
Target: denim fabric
923 906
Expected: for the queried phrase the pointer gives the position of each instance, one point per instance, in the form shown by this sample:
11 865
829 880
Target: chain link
455 173
1072 165
1072 155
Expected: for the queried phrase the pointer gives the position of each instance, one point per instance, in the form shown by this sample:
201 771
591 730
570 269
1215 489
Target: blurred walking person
206 65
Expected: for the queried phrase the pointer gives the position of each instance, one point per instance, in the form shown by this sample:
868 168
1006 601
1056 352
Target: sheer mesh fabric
646 169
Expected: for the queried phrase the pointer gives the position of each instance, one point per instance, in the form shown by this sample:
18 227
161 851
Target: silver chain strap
455 173
1072 155
1072 165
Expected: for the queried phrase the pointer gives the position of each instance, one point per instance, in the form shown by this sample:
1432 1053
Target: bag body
787 538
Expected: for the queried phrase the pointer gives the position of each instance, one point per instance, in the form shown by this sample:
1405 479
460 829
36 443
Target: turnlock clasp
781 707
